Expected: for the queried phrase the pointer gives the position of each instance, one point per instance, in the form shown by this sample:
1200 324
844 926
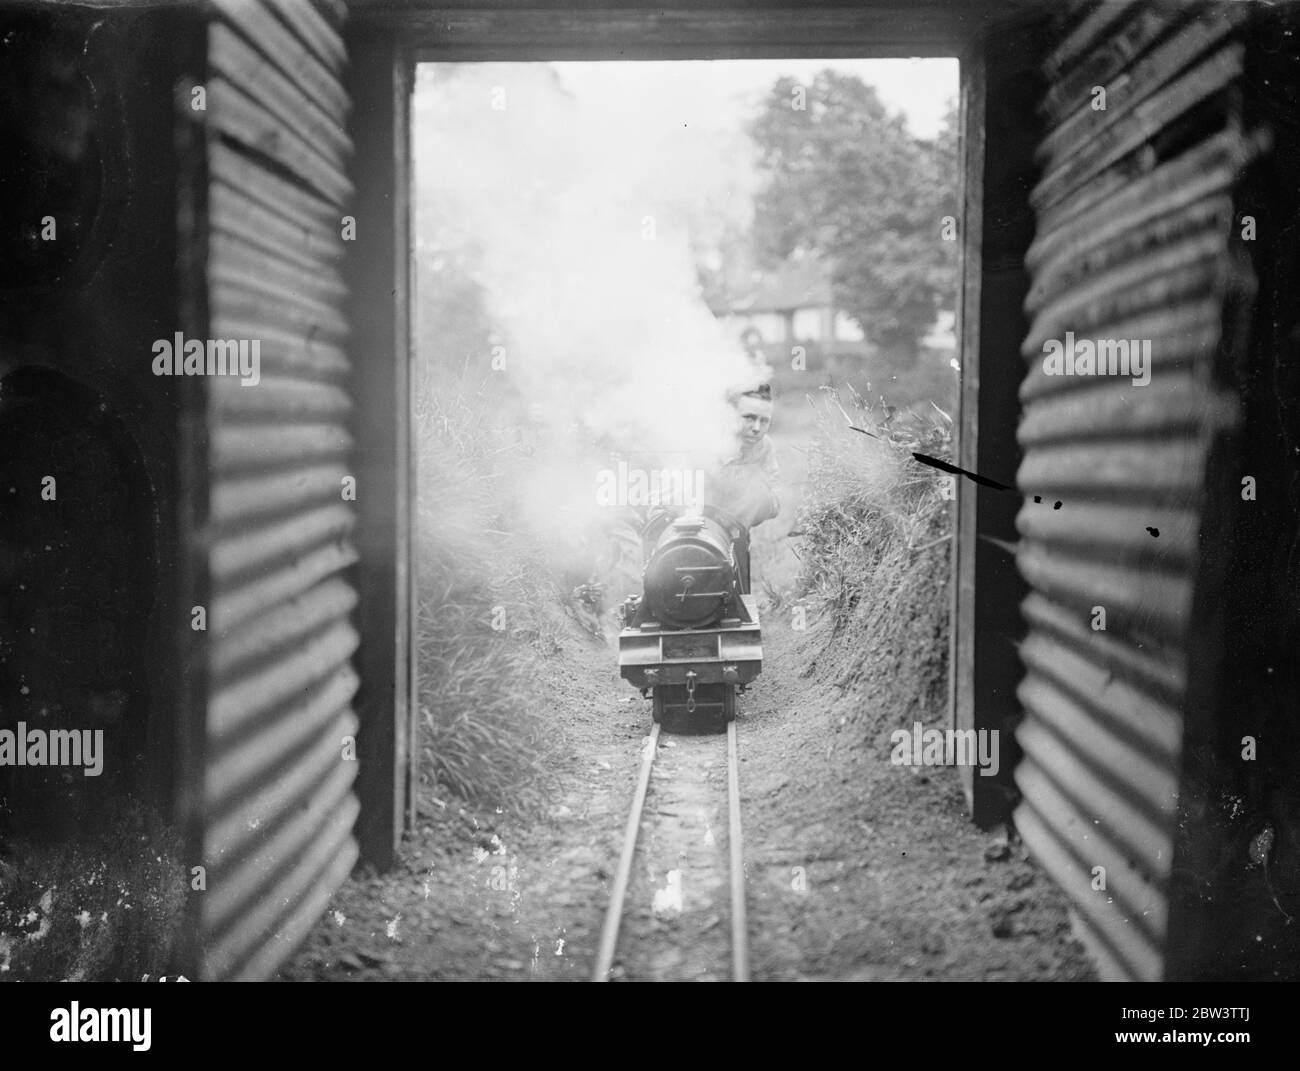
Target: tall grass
481 599
869 506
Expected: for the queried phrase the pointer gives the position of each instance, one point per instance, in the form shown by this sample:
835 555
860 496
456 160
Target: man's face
755 416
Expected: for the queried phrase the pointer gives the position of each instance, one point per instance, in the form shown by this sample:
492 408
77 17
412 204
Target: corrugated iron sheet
1135 215
277 798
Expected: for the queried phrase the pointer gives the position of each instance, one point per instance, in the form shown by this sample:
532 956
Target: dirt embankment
860 869
856 869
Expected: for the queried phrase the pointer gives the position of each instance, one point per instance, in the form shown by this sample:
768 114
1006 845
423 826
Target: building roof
797 283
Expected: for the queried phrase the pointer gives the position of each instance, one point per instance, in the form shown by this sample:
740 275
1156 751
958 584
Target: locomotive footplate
731 653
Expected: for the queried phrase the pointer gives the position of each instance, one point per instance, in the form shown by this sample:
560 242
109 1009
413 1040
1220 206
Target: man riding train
738 488
742 486
692 640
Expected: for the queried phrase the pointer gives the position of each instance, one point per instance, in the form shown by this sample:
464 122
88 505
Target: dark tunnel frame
999 130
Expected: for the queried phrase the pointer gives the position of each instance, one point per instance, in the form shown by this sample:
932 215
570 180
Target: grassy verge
481 590
875 524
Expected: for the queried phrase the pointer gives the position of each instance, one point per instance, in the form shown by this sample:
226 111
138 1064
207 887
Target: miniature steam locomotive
692 639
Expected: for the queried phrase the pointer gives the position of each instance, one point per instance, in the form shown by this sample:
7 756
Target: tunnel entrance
605 255
558 368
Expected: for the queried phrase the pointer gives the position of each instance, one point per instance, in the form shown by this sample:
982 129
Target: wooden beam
452 31
1000 130
376 275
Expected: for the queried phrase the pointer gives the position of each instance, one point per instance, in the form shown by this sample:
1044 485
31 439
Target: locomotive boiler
692 639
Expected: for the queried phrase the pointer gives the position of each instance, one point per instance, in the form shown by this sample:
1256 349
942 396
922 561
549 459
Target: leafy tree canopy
847 182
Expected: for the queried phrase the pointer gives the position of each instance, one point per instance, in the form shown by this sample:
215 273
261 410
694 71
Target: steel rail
622 875
614 913
739 921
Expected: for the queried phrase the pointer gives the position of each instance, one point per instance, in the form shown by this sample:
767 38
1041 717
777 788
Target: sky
676 130
725 92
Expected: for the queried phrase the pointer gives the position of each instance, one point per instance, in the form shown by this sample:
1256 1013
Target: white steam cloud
585 258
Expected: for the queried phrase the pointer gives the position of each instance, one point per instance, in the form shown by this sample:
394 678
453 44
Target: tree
846 181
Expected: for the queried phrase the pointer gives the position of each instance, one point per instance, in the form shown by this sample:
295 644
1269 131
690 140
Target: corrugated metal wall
278 804
1135 224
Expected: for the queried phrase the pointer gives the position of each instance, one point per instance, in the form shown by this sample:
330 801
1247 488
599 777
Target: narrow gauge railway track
622 876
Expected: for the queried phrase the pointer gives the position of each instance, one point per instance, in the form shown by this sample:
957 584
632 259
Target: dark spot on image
1155 532
1057 505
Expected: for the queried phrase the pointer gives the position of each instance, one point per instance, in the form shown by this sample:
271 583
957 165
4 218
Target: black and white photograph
583 490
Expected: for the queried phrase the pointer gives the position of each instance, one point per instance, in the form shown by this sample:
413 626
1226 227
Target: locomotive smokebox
693 637
690 579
